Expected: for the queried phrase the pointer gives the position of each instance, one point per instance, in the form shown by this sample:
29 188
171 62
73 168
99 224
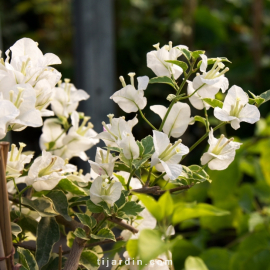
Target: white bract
221 152
102 190
167 156
8 113
80 138
156 60
236 108
128 98
24 98
66 98
130 147
117 130
46 171
213 77
104 162
177 120
28 65
16 161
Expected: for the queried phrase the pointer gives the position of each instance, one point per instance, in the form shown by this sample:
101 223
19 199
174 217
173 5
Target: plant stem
141 113
206 117
99 225
148 177
159 177
130 176
203 137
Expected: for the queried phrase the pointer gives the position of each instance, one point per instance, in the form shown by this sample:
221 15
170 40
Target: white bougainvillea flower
46 171
221 152
236 108
130 147
16 161
147 221
44 95
28 65
128 98
167 156
23 97
102 190
66 98
104 162
207 91
8 113
117 130
156 60
177 120
52 135
79 139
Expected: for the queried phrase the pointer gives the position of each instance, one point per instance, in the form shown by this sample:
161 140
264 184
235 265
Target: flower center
214 72
236 108
219 146
47 170
83 129
19 100
170 151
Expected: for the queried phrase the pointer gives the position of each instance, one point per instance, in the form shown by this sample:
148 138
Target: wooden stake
3 265
5 225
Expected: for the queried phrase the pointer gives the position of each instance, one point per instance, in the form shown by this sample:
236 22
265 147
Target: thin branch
122 224
157 191
120 238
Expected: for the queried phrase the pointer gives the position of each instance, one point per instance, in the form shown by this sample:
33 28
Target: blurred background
99 40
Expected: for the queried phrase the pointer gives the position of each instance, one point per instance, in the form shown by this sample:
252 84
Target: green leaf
181 64
70 238
93 207
257 99
47 235
192 175
139 162
15 229
211 61
71 187
213 102
132 248
200 119
121 201
148 145
163 79
186 53
43 206
265 95
196 54
166 205
195 263
54 262
60 203
105 207
141 148
89 259
151 204
132 208
86 220
121 179
27 259
187 211
103 234
116 149
80 232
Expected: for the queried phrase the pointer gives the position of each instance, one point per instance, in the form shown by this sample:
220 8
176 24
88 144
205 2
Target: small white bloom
167 156
79 139
128 98
66 98
104 162
16 161
130 147
236 108
117 130
103 191
46 171
156 60
177 120
212 77
8 113
221 152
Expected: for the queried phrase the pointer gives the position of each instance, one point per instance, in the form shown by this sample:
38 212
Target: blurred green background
236 29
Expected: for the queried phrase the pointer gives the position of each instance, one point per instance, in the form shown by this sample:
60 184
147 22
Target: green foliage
79 232
27 259
47 235
181 64
103 234
15 229
163 79
89 259
70 186
195 263
86 220
213 102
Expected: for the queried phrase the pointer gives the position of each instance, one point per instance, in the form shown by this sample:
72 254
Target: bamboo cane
3 265
5 224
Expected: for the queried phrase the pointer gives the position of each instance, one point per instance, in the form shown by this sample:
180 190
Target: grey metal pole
94 59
